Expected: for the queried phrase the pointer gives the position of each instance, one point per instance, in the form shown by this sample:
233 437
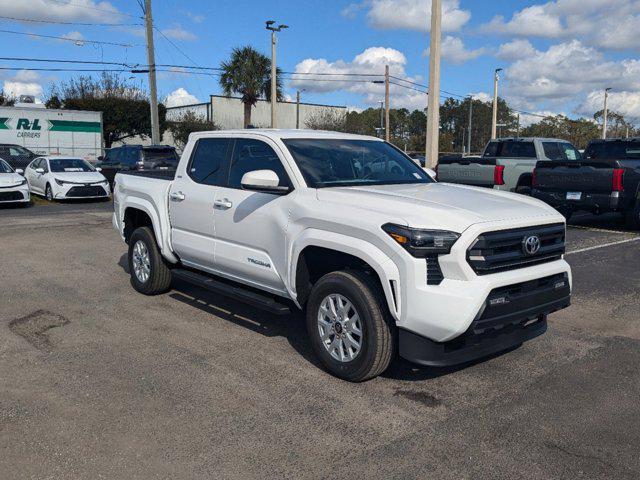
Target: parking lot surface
101 382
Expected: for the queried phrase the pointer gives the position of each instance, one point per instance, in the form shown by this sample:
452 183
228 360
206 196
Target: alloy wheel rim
141 261
340 328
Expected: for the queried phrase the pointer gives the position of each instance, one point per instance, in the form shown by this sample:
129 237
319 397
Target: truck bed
157 174
477 171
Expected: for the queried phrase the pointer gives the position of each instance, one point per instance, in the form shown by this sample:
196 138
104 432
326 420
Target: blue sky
558 56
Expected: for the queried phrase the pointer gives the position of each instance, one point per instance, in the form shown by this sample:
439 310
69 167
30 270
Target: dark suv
136 157
16 156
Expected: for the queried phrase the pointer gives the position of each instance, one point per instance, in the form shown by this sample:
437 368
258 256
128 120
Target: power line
57 22
75 40
335 74
79 5
86 62
64 69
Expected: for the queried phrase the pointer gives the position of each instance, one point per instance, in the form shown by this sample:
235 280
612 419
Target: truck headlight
422 243
60 182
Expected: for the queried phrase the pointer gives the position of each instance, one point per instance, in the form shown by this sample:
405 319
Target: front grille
434 274
10 196
503 250
86 192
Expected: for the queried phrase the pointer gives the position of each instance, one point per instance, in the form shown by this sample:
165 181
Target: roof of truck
285 134
529 139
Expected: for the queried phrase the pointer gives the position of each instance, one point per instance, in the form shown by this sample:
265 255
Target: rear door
250 226
191 202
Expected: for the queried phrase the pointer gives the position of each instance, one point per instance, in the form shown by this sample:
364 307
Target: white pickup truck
383 259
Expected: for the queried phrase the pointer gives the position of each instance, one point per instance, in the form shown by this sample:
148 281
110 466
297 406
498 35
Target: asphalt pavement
98 381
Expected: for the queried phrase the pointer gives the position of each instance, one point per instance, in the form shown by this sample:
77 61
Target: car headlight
104 182
422 243
22 182
60 182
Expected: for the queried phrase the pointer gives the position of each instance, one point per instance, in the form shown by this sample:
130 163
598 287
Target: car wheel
632 217
48 193
349 326
150 275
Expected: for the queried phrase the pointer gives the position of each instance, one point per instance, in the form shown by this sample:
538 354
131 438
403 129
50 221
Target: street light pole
605 114
433 108
469 129
298 107
387 132
153 89
494 121
381 117
274 83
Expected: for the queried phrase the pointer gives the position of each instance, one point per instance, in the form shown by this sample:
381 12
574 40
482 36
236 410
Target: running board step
232 290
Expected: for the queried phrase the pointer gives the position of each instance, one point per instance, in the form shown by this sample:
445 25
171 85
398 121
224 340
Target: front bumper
80 191
510 316
590 202
19 194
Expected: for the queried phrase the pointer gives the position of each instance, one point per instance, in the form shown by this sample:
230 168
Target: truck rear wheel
150 275
632 216
349 325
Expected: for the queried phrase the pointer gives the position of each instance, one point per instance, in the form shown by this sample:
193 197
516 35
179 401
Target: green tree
6 100
188 123
124 107
329 120
578 132
248 74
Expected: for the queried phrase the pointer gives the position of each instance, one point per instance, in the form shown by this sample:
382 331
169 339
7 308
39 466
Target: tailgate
476 171
574 176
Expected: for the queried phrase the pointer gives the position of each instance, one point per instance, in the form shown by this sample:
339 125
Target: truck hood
10 179
440 205
79 177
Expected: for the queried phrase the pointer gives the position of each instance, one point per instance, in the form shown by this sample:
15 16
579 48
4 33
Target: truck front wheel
149 273
349 326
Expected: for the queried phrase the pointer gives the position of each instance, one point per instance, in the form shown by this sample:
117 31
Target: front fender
365 251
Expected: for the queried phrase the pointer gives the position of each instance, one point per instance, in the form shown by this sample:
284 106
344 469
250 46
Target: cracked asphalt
97 381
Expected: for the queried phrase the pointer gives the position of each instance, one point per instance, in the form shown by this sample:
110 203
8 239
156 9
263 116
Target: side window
249 155
14 152
44 164
551 151
491 150
129 156
35 164
207 161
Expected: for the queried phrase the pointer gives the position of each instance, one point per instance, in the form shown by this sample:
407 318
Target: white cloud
625 103
371 61
516 50
179 33
179 98
527 119
482 96
78 10
601 23
23 83
414 14
195 17
455 52
76 36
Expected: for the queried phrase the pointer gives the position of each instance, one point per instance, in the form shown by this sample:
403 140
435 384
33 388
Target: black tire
48 193
378 332
632 217
524 186
159 279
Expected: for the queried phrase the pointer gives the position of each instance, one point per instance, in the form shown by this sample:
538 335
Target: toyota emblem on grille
531 245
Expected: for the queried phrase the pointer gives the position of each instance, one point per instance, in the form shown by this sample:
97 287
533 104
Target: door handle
177 197
224 204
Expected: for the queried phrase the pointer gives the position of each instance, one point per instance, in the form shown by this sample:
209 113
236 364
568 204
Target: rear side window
560 151
250 155
511 149
168 156
129 156
613 150
207 161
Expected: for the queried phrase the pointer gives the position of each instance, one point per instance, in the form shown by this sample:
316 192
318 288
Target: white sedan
13 186
62 178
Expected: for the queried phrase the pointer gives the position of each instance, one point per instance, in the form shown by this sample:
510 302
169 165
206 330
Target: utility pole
433 108
387 132
494 121
469 128
298 110
518 128
381 117
605 113
274 84
153 88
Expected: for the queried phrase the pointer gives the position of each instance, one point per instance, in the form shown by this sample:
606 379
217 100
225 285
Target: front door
250 226
191 202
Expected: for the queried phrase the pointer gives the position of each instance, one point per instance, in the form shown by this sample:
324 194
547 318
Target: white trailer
53 132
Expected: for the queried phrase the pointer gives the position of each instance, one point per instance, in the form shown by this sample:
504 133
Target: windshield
614 150
62 165
332 163
5 167
168 156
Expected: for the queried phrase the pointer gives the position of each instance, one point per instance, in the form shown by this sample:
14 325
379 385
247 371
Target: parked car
606 180
65 178
381 259
16 155
13 186
506 164
136 157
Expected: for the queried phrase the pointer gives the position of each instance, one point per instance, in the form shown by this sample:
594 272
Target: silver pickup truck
506 164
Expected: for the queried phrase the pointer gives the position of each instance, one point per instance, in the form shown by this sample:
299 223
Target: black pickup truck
606 179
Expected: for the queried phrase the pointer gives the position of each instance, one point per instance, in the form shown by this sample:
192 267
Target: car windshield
614 150
5 167
61 165
22 150
341 162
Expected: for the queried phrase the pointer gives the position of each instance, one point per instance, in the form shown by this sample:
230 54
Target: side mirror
265 181
98 169
40 170
19 171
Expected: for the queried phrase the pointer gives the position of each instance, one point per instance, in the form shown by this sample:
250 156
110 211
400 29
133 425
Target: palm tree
248 74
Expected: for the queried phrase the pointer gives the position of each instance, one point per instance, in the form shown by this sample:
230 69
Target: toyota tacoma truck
382 258
607 180
507 163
